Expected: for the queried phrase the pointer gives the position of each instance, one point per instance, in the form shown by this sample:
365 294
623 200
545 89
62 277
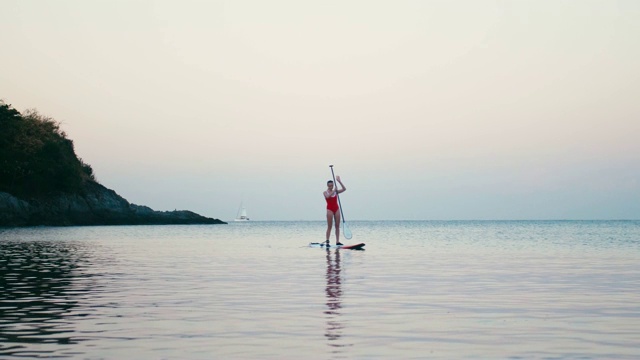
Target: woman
333 209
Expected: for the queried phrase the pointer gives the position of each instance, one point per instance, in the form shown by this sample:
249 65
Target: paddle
345 228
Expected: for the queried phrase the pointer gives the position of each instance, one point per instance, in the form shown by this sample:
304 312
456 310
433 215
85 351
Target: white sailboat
242 214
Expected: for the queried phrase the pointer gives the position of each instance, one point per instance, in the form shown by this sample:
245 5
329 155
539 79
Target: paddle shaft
338 195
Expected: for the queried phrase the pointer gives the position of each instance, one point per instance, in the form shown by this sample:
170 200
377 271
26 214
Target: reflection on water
333 292
39 292
472 290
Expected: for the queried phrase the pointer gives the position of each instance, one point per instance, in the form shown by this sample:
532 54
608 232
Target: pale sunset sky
427 109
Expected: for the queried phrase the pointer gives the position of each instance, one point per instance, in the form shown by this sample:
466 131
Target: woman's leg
337 217
329 223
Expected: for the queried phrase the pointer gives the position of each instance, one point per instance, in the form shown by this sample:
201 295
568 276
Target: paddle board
359 246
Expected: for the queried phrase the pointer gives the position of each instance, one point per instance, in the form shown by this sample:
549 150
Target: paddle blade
346 231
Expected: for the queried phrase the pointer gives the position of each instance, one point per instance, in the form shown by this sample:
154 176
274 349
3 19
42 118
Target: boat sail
242 214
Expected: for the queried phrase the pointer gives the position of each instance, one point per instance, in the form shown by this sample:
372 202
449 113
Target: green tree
36 157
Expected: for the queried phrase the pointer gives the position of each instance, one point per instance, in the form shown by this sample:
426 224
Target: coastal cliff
94 205
43 182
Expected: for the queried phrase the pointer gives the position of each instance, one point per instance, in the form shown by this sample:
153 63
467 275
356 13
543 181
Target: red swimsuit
332 203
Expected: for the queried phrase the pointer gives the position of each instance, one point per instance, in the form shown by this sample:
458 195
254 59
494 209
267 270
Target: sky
428 110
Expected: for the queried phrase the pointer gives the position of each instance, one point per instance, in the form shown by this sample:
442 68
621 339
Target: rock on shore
95 205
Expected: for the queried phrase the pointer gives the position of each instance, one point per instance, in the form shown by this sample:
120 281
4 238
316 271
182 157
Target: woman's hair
329 182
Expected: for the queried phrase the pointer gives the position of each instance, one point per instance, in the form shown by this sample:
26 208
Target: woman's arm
344 188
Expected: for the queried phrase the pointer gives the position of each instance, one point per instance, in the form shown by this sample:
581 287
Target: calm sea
420 290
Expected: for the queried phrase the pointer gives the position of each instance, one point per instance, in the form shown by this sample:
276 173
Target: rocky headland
94 205
43 182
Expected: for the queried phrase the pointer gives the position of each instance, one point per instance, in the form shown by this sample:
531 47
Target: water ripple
435 290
